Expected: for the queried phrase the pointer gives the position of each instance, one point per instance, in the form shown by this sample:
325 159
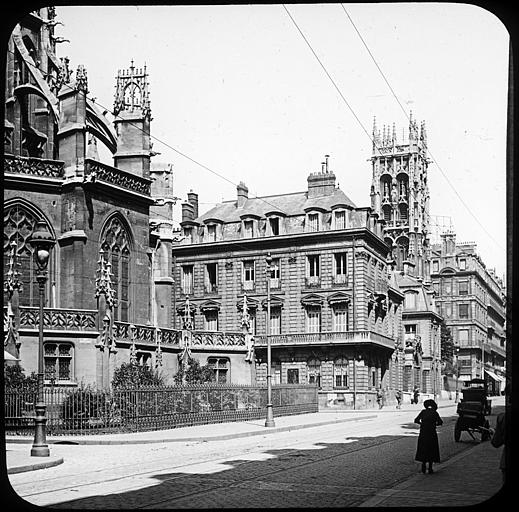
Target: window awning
494 376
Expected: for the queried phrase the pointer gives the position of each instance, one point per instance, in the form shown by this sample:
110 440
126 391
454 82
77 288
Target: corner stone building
335 310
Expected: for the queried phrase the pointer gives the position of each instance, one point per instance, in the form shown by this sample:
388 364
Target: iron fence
87 410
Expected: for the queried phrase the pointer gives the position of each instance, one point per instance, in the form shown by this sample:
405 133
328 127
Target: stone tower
400 195
132 121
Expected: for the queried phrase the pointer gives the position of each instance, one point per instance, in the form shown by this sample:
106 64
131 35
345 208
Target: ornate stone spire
131 94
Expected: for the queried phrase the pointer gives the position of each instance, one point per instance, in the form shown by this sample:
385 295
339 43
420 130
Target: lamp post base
269 422
40 451
39 445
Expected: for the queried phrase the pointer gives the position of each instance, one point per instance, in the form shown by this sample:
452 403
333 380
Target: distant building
472 301
335 315
400 196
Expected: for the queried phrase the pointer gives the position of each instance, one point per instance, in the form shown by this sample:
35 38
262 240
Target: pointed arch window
19 223
116 243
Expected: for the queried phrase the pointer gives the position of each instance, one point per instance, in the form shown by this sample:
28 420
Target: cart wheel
485 435
457 431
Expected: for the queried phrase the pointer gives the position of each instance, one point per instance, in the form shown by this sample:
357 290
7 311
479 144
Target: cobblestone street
335 465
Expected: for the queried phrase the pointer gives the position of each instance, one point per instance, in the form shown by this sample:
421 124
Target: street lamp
42 243
457 373
269 421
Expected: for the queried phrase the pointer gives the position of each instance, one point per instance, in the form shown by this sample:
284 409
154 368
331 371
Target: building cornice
282 242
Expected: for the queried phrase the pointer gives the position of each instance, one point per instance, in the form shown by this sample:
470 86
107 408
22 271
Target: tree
195 374
132 375
14 376
447 348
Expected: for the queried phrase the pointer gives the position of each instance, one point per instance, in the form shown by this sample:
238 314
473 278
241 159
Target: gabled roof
289 204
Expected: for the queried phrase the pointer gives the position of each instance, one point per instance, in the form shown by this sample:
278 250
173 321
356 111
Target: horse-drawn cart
472 410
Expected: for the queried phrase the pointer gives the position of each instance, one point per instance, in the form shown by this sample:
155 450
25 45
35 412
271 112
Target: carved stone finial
81 79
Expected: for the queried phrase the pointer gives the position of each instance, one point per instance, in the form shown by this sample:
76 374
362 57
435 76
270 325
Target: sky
237 89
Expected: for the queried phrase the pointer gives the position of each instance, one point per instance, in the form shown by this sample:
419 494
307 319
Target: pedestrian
498 435
398 397
427 449
380 398
498 440
416 394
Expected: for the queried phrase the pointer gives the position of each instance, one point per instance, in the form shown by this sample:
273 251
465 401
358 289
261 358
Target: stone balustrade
118 177
33 166
60 319
320 338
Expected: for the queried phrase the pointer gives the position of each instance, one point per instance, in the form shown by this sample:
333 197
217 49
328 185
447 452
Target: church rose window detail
19 223
116 244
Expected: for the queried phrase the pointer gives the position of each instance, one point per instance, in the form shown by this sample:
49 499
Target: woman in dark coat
427 450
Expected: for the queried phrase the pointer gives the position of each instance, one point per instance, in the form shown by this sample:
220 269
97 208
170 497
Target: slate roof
424 302
289 204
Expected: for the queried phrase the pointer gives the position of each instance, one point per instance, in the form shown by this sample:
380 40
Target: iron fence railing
87 410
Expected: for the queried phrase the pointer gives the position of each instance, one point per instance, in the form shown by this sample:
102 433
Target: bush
195 374
14 377
131 375
85 406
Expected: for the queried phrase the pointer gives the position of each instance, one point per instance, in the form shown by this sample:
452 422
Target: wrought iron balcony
340 279
327 338
313 282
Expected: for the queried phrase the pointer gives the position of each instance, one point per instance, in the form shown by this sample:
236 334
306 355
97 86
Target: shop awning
494 376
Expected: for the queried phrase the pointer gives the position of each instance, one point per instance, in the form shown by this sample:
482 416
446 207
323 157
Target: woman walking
427 450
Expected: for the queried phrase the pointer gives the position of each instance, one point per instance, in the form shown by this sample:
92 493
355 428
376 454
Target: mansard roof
408 283
290 204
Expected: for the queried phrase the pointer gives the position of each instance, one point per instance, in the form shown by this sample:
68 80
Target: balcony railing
34 166
313 282
211 288
53 318
340 279
117 177
248 285
319 338
207 339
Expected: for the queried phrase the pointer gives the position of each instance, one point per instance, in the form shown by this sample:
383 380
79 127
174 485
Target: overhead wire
373 141
409 119
169 146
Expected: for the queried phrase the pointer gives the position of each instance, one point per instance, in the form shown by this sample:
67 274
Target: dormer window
313 222
248 228
340 219
188 233
410 300
274 226
463 264
211 233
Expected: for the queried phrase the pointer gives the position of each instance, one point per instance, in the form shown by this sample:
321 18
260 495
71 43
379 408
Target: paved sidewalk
469 478
20 459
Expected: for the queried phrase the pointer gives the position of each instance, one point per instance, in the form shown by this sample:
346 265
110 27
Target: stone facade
472 300
335 313
109 289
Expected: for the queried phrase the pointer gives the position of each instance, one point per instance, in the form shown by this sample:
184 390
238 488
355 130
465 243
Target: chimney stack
192 198
243 194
